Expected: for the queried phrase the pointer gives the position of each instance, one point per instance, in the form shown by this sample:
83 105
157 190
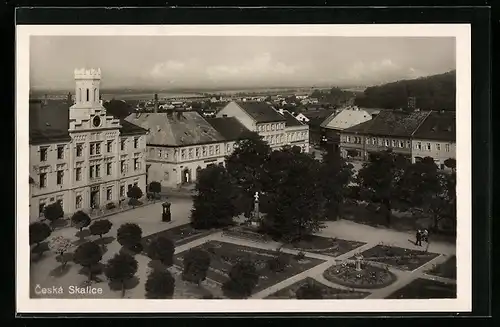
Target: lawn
447 269
400 258
328 292
225 255
425 289
179 235
323 245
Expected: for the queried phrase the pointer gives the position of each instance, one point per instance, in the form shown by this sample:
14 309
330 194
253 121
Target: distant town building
339 120
269 123
416 135
80 156
302 118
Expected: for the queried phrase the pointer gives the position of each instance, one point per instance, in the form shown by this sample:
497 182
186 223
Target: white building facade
91 163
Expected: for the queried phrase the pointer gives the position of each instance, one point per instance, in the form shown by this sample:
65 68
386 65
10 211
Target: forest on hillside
435 92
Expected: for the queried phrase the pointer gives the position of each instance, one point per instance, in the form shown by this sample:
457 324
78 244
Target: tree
129 235
309 291
39 232
88 255
162 249
160 285
121 268
444 205
154 187
246 166
295 203
60 245
378 179
80 220
196 264
213 203
53 211
451 163
336 174
100 227
243 278
134 194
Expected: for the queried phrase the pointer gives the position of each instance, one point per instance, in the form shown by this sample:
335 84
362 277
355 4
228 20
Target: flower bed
369 277
246 233
447 269
179 235
422 288
401 258
327 292
324 245
225 255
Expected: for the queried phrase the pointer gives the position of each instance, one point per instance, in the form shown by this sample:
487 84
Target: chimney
156 103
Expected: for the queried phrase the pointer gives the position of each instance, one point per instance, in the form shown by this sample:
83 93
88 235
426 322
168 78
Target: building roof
317 117
348 117
392 123
440 126
291 121
49 122
179 128
229 127
261 112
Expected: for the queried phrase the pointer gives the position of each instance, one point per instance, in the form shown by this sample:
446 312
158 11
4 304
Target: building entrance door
94 198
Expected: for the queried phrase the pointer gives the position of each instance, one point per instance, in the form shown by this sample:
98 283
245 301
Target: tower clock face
96 121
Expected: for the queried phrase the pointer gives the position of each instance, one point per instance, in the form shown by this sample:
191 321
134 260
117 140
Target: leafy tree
444 205
60 245
295 203
121 268
196 264
100 227
88 255
451 163
243 278
246 166
80 220
39 232
160 285
134 194
309 291
162 249
379 178
53 211
129 235
336 174
154 187
213 203
118 108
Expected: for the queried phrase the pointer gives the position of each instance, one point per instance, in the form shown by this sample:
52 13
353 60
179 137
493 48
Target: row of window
192 153
295 136
94 172
270 127
94 149
394 143
79 198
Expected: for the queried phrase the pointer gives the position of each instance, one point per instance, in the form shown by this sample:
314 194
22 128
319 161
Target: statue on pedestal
166 215
256 214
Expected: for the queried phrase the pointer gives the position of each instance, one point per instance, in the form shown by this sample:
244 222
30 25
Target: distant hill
436 92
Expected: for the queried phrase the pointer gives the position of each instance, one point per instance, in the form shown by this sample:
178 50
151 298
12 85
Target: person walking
425 236
418 238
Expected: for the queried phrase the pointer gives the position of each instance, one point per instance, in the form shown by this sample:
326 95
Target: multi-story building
390 129
270 124
79 155
340 120
436 138
182 143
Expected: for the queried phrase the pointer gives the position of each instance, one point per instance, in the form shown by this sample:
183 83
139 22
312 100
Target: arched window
88 95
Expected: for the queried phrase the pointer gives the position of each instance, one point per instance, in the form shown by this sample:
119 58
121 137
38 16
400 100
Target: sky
173 62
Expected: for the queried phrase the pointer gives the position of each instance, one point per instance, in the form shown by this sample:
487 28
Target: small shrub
110 205
300 256
162 249
129 235
80 220
53 211
160 285
38 232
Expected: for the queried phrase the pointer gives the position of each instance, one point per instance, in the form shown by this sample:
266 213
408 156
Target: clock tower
87 112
